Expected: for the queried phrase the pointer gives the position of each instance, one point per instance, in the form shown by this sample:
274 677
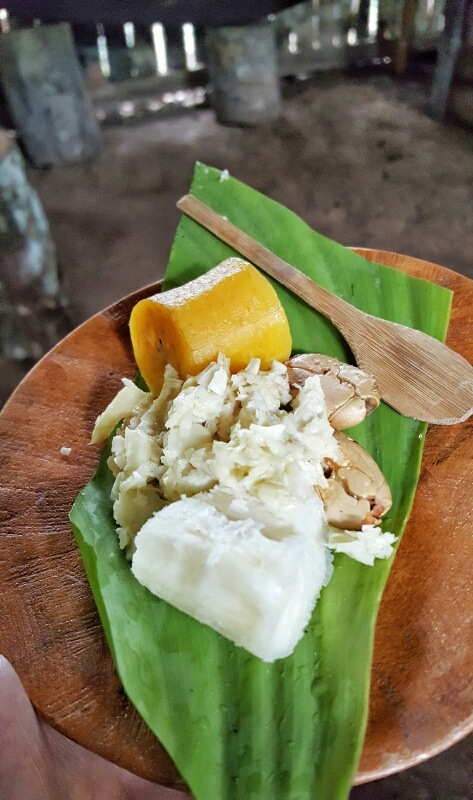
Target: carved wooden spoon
416 375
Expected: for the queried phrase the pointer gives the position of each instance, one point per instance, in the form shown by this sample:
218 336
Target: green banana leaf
238 728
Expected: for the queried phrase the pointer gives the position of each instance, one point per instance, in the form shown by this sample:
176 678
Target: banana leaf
238 728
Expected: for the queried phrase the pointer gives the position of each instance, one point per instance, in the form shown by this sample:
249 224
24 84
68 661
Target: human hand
38 763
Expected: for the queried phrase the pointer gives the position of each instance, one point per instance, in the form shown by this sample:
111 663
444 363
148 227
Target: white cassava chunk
226 560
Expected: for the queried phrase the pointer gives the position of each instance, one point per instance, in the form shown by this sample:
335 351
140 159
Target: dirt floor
358 159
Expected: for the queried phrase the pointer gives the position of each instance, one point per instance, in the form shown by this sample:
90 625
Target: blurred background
356 114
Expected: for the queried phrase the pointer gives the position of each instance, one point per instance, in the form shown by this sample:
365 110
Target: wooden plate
421 696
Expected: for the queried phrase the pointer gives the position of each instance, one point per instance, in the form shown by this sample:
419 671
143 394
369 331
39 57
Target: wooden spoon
416 375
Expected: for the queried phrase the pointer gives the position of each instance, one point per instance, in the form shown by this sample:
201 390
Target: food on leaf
232 309
235 727
228 473
223 499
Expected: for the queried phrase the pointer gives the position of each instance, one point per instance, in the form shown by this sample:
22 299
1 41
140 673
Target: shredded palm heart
215 478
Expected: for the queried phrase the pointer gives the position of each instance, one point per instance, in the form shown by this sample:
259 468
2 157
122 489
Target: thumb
39 763
24 771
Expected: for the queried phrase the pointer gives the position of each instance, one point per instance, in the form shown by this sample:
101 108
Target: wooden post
42 81
244 74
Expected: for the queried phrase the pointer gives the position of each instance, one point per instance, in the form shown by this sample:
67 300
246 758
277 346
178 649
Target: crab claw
357 493
350 393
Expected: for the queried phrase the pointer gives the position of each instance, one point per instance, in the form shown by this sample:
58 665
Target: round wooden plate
421 697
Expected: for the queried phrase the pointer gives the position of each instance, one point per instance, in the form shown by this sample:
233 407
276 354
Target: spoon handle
331 306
